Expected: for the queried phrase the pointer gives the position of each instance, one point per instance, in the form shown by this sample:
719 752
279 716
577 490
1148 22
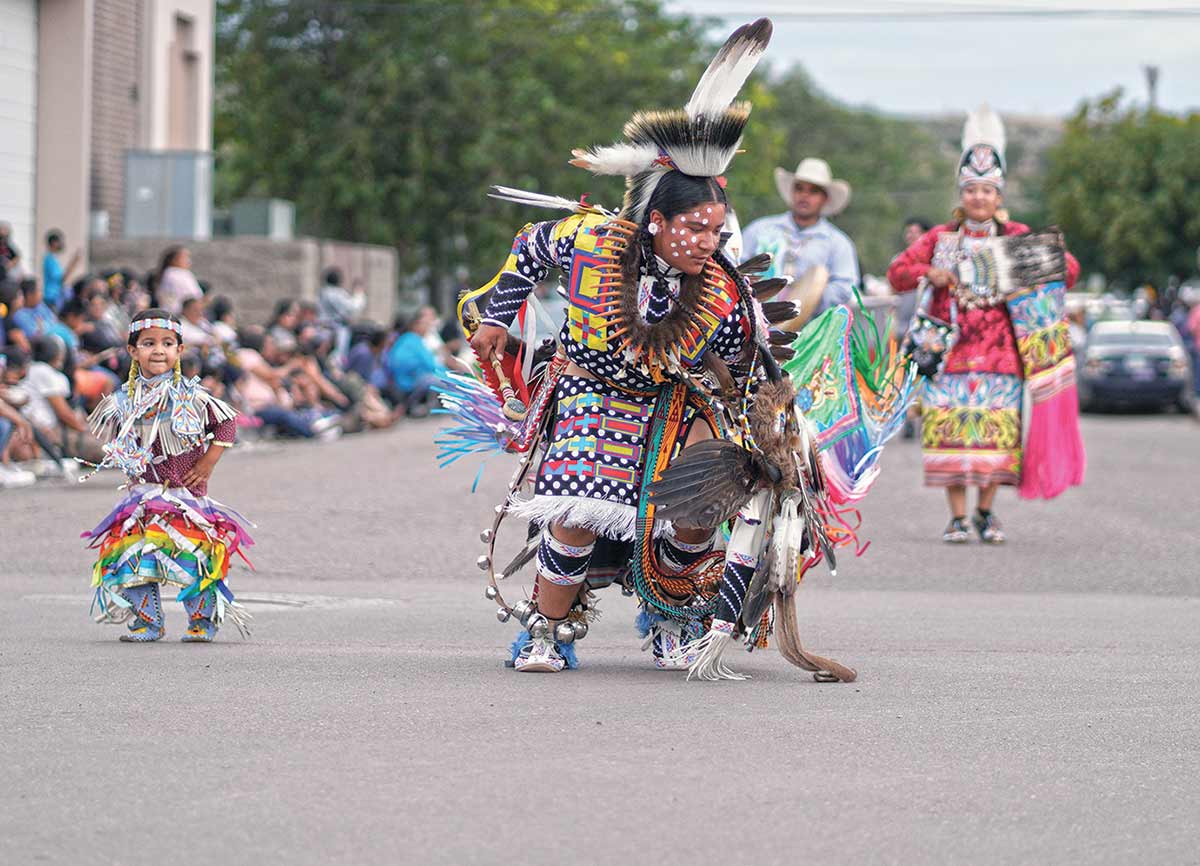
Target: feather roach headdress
700 140
983 142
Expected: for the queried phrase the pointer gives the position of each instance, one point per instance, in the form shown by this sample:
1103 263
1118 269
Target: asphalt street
1034 703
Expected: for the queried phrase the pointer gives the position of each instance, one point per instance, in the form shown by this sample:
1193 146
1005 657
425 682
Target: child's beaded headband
166 324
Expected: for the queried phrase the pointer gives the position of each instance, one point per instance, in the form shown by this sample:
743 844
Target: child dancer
166 434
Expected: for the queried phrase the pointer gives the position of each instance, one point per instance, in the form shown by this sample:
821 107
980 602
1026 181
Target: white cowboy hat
816 172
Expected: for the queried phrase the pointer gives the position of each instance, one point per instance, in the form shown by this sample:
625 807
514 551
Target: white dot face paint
673 244
696 215
693 239
708 210
703 222
676 255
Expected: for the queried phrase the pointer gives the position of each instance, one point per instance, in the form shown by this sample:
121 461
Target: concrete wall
115 96
64 119
256 272
18 122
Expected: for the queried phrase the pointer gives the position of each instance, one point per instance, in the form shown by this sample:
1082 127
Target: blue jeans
286 420
6 432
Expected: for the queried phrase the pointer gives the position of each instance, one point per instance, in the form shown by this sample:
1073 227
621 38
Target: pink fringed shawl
1054 457
1029 272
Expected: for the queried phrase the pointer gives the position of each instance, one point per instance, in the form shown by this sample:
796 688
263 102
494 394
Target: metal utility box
168 194
273 218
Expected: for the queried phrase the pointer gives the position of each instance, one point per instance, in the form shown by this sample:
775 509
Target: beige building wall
18 121
64 120
177 75
116 94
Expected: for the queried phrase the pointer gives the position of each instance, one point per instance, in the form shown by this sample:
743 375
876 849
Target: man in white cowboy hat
803 243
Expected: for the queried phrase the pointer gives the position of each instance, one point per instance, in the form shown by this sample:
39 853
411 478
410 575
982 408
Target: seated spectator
285 322
305 360
174 282
105 332
16 434
114 313
339 308
11 300
223 322
456 353
197 332
134 296
41 391
264 390
308 315
412 367
98 361
36 319
367 358
426 323
10 256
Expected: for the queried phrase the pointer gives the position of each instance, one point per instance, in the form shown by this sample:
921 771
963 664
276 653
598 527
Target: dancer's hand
489 341
202 471
941 277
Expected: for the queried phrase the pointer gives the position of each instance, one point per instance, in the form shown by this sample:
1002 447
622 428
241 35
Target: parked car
1135 364
1109 309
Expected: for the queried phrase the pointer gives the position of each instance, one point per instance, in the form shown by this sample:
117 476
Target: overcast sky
945 61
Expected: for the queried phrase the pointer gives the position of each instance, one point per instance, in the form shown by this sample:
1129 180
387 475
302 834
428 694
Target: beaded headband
165 324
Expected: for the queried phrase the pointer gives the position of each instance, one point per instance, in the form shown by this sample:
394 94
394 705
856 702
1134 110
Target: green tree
386 122
1124 185
897 169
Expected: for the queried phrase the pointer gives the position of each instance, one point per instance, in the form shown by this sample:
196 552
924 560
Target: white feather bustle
623 159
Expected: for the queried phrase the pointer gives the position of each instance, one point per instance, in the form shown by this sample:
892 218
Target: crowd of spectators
311 371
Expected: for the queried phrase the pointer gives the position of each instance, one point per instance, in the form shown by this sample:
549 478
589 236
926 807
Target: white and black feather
728 71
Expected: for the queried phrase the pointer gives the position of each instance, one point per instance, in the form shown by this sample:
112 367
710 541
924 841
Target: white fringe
233 611
709 650
612 520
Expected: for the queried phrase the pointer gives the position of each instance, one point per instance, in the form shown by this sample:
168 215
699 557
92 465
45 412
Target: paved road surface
1036 703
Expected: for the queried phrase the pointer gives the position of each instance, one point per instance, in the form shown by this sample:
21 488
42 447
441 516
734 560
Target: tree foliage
386 122
1124 184
895 167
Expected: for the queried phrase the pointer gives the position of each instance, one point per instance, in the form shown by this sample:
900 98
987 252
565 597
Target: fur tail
787 639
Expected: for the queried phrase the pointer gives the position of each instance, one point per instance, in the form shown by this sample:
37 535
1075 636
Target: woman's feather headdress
983 143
